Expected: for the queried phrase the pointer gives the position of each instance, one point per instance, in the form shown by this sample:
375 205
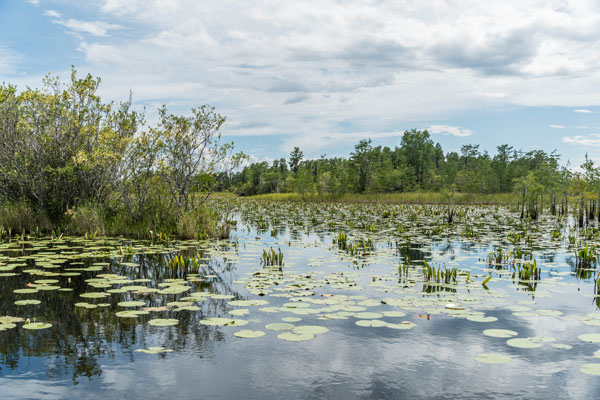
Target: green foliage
416 165
91 166
272 258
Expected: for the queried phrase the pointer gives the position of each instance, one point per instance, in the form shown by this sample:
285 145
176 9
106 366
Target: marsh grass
402 198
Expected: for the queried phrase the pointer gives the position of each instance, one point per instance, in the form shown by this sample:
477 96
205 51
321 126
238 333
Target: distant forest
417 164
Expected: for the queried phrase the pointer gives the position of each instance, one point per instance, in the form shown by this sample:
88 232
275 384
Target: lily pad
249 334
500 333
163 322
295 337
590 337
528 342
133 303
279 326
375 323
492 358
130 313
37 325
154 350
27 302
94 295
590 369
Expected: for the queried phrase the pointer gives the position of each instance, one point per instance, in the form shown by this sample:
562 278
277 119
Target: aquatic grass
272 258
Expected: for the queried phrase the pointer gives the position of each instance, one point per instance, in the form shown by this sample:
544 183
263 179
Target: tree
361 159
418 152
192 146
295 159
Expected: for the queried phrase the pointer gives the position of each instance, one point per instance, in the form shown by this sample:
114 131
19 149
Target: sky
322 75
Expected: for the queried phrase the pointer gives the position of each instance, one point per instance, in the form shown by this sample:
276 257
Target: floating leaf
492 358
590 369
37 325
27 302
163 322
500 333
133 303
248 334
279 326
590 337
375 323
154 350
295 337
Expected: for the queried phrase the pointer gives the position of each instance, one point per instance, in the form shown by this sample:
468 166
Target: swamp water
359 309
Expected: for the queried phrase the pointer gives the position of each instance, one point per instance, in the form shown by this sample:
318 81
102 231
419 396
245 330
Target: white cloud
52 14
589 140
583 111
557 126
34 2
450 130
96 28
310 69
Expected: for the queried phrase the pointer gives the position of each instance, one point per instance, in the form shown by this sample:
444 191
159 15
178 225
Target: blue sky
324 74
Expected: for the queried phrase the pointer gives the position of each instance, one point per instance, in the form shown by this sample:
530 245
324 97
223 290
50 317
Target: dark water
91 353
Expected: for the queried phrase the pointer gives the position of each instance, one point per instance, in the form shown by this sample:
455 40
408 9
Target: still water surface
90 353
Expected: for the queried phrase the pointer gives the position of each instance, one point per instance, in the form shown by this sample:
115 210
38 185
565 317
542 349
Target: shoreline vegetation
71 163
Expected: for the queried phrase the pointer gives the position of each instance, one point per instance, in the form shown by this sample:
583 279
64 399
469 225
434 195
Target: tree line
534 178
69 159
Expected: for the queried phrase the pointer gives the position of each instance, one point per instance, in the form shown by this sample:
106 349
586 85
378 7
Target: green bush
18 216
87 218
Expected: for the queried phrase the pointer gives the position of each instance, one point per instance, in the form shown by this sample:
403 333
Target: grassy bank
406 198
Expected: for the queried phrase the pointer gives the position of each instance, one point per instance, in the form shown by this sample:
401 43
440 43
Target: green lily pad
133 303
394 314
279 326
25 291
27 302
86 305
37 325
295 337
248 334
590 369
375 323
528 342
492 358
500 333
590 337
163 322
154 350
94 295
130 313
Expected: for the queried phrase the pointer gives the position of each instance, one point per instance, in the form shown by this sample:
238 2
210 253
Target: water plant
586 256
272 258
528 271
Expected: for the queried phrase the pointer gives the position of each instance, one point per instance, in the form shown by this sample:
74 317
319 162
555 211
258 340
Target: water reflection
91 352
